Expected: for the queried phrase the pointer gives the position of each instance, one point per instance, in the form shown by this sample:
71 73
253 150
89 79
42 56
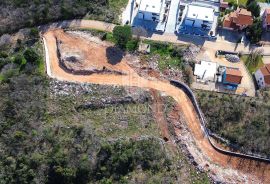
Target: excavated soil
158 111
82 56
221 167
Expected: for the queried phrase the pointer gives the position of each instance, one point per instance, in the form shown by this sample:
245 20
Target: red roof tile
239 17
266 73
233 76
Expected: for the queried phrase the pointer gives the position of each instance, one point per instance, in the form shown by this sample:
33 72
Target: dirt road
237 170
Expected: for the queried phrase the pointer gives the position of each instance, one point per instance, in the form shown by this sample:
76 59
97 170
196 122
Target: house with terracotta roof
238 20
232 78
266 19
262 76
223 5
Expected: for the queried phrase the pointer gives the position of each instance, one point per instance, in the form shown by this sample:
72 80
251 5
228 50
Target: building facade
266 19
150 10
262 76
199 16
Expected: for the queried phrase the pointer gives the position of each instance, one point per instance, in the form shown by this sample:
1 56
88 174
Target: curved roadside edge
47 59
191 96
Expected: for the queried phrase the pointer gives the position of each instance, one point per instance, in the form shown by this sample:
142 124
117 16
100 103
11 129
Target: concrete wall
148 16
197 23
259 79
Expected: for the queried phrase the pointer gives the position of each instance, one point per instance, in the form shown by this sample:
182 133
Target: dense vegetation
254 32
243 121
17 14
254 7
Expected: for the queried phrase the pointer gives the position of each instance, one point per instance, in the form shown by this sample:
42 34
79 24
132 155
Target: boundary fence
191 96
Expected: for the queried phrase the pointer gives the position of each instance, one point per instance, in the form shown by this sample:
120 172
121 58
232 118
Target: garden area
253 61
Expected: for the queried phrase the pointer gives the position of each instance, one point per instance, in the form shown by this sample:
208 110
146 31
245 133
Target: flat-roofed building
199 16
206 71
150 10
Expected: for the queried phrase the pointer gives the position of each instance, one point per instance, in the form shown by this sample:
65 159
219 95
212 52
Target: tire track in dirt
246 170
158 110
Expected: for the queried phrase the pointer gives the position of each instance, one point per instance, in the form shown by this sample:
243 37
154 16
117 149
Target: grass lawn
252 67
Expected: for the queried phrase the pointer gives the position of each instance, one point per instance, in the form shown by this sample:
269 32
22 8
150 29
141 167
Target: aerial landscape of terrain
134 91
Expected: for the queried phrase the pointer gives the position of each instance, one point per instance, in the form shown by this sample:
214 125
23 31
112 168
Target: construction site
75 56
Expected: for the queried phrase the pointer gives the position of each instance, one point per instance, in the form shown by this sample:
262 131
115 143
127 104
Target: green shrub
3 54
34 32
30 55
122 35
132 45
20 60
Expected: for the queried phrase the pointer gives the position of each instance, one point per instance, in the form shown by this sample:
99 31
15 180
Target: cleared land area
231 168
60 132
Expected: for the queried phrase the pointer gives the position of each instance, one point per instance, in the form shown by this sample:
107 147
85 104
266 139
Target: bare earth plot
221 167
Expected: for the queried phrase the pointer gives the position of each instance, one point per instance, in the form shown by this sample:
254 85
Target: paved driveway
247 85
172 18
266 59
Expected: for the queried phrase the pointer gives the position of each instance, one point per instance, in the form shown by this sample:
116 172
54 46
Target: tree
254 32
34 32
249 1
20 60
122 35
254 8
254 57
30 55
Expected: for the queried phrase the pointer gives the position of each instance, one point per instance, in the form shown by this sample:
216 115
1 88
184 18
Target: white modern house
150 10
262 76
206 71
199 16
